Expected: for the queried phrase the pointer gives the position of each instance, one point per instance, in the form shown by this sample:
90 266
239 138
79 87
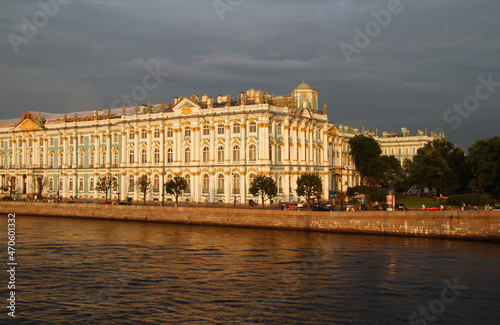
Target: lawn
417 202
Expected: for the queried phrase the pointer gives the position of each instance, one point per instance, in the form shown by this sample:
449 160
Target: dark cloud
427 59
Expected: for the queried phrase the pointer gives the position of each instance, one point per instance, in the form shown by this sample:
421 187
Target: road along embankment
472 225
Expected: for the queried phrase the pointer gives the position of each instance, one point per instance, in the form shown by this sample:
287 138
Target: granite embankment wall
474 225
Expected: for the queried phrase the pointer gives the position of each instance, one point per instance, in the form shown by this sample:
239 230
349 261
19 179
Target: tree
385 171
309 185
10 185
176 187
364 150
105 184
484 160
439 164
265 187
39 184
144 185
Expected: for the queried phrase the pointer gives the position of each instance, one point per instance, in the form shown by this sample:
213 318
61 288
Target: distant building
219 146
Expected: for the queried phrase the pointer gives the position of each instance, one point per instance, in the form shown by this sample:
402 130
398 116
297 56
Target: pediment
186 107
28 125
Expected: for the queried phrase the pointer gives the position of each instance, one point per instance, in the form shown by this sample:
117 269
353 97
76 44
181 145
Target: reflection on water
105 272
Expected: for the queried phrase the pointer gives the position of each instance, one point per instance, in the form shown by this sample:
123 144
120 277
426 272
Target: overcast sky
431 64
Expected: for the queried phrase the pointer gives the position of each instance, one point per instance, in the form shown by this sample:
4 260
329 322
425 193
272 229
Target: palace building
218 145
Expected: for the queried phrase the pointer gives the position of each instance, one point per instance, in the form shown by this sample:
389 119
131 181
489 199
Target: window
156 156
280 152
115 137
131 183
252 153
220 129
144 156
170 155
51 184
220 183
60 184
206 130
103 138
91 159
80 159
103 158
220 154
131 135
51 141
80 184
71 141
271 152
169 178
156 133
92 139
51 160
236 153
131 157
251 178
82 140
170 133
279 129
115 159
270 128
60 159
236 183
40 159
187 155
280 185
70 184
91 184
156 183
144 134
187 132
30 159
252 127
188 181
206 154
206 183
236 128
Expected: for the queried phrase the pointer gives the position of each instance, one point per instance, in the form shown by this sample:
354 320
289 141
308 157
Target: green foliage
265 187
144 185
364 151
105 184
309 185
176 187
373 193
439 164
484 160
472 199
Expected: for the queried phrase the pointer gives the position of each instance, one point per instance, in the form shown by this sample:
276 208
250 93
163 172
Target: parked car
435 207
71 201
123 203
495 208
321 208
109 203
401 207
89 202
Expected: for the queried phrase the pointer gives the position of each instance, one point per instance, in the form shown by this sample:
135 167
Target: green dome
303 85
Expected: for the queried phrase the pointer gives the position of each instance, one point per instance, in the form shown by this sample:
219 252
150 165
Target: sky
381 64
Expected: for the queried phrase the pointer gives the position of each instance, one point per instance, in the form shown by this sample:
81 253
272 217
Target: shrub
472 199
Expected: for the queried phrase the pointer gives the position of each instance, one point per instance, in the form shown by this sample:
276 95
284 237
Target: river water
73 271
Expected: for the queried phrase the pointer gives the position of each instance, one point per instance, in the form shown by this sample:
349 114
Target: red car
434 208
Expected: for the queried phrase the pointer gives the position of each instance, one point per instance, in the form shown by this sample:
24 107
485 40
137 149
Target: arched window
70 184
170 133
51 184
236 153
220 154
280 153
252 127
206 130
156 133
236 128
80 159
169 178
252 153
103 158
156 155
206 154
80 184
220 129
206 183
320 156
131 183
279 129
115 159
236 183
71 158
251 178
144 156
187 155
91 184
40 159
220 183
187 177
51 160
280 185
131 156
91 159
60 159
156 183
170 155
